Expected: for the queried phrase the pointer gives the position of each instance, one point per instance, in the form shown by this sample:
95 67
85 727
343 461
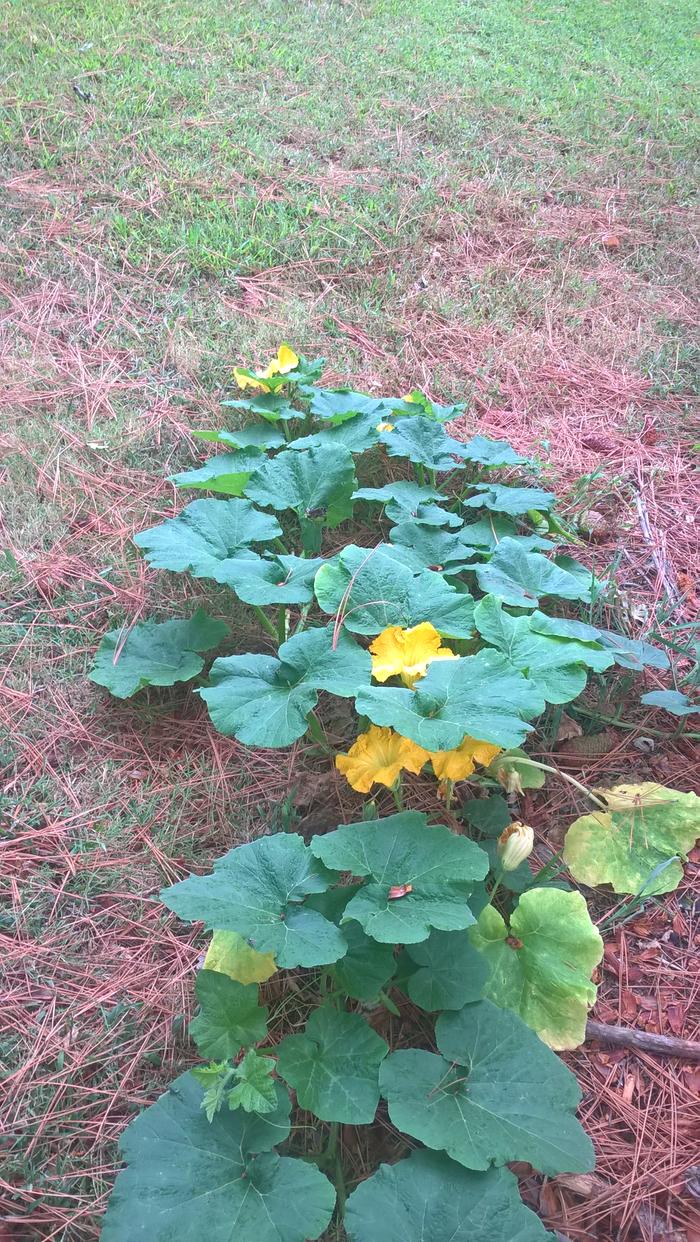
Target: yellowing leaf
407 653
457 764
377 757
229 954
636 845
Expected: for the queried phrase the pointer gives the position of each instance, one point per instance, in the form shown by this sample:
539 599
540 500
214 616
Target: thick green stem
396 794
420 474
265 621
281 623
547 767
332 1157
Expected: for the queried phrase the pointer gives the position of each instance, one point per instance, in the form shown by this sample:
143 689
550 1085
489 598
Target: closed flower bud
515 845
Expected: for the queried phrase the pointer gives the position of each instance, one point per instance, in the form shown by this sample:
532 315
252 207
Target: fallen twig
643 1041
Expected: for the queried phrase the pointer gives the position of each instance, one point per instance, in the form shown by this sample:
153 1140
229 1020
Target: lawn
489 201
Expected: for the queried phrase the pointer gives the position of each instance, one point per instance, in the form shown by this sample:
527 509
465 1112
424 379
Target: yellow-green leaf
230 955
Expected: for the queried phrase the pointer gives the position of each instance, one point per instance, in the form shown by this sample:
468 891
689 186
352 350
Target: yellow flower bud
515 845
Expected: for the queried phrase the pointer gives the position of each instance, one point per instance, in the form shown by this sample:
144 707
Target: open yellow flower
457 764
377 757
407 653
385 426
285 361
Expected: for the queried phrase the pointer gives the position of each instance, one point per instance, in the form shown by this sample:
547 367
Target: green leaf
279 579
373 589
424 442
429 1198
273 407
256 1089
672 701
357 434
557 665
264 701
440 868
316 483
512 500
258 890
487 533
215 1080
489 815
647 825
520 577
435 548
491 452
339 405
206 537
230 1017
627 652
334 1066
189 1179
451 972
417 405
227 473
541 967
230 955
404 499
495 1095
367 966
481 695
515 771
154 654
255 435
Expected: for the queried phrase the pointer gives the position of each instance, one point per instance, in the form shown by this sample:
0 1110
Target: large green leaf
373 589
424 442
436 868
449 972
206 537
627 652
512 500
432 546
230 1017
488 815
227 473
279 579
486 534
255 435
481 695
520 577
403 499
337 406
154 653
334 1066
188 1178
258 890
496 1094
265 701
627 847
355 434
556 665
368 965
273 407
316 484
429 1198
491 452
541 966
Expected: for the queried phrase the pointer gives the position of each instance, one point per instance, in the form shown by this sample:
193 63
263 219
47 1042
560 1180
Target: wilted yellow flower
515 845
407 653
457 764
385 427
285 361
377 757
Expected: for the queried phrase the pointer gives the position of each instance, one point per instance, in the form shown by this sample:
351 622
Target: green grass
189 184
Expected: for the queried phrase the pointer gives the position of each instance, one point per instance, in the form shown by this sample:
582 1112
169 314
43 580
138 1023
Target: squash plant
429 974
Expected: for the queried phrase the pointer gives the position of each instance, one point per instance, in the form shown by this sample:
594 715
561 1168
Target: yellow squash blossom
285 361
407 653
385 426
457 764
377 757
514 845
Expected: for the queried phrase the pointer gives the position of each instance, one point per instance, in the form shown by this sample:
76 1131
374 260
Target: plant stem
281 547
420 474
396 794
264 621
281 623
547 767
332 1156
318 734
